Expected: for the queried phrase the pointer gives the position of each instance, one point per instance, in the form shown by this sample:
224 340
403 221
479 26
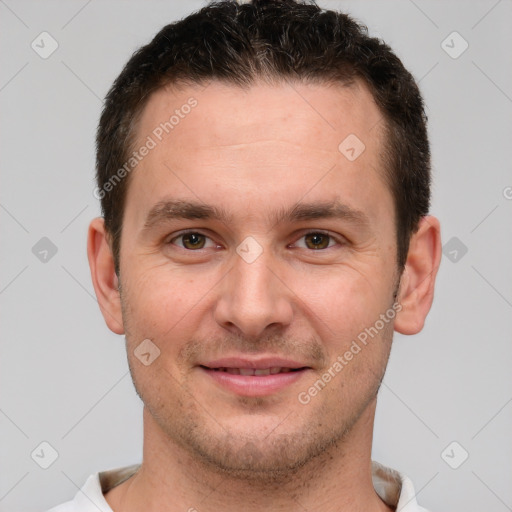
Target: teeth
252 371
266 371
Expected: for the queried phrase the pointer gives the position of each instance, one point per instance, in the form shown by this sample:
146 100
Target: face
254 254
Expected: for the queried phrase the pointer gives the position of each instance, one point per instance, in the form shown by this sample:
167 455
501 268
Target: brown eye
317 241
192 241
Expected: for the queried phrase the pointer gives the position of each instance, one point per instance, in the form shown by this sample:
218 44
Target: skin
255 152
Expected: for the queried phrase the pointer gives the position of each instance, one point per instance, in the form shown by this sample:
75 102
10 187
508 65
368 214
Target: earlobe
416 291
104 278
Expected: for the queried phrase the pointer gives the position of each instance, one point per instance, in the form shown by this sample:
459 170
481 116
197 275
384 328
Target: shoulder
88 499
395 488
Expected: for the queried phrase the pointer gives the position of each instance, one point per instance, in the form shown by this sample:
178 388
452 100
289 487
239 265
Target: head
279 209
276 42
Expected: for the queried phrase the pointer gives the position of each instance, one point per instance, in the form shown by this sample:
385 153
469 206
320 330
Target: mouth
254 377
274 370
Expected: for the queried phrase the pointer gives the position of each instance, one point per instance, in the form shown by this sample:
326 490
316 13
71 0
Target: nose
253 299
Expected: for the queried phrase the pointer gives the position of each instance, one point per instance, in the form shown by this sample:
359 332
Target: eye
192 241
317 240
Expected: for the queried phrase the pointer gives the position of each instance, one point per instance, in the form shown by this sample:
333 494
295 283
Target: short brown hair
271 40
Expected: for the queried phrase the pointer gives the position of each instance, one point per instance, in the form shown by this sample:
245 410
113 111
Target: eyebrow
167 210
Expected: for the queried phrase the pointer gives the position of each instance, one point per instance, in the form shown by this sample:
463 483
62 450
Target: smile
256 371
265 380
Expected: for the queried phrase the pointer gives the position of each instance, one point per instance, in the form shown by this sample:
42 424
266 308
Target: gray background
63 375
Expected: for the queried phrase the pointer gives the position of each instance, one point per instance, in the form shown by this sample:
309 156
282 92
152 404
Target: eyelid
179 234
339 239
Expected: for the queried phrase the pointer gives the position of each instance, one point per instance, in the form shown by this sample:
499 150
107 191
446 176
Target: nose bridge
252 297
253 281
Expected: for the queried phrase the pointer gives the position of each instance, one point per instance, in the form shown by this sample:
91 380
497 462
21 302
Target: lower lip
254 385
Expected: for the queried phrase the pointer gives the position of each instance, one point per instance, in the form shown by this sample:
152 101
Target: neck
170 478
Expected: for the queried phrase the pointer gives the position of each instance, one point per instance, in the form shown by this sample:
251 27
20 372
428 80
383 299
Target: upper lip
257 364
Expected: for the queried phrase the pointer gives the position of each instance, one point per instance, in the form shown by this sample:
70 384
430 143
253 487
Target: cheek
163 303
343 303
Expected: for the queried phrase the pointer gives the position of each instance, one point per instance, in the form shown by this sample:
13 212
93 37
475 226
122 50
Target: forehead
215 139
235 115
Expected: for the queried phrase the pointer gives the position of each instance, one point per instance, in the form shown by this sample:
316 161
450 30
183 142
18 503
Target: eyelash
313 232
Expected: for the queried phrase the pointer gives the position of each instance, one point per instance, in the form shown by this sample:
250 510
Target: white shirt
395 489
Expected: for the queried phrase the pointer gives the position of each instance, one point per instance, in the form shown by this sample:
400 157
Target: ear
416 291
104 278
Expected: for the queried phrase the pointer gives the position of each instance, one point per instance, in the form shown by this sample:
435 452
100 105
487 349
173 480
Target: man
264 176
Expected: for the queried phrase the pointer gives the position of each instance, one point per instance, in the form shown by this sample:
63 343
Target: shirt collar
394 488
